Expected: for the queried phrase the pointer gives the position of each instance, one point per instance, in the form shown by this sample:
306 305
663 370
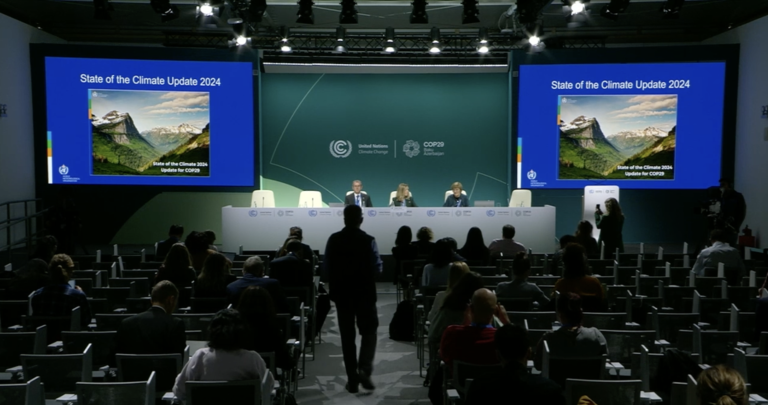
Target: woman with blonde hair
403 197
457 199
457 270
721 385
611 225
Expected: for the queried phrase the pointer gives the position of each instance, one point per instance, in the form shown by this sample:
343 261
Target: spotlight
285 45
469 16
237 26
671 9
614 8
389 40
341 46
577 7
482 41
348 12
257 9
534 40
419 12
435 48
241 40
305 14
576 13
205 9
167 11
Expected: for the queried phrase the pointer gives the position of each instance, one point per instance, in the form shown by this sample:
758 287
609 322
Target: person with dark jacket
584 238
163 247
177 267
352 262
403 250
214 278
611 225
474 248
292 270
253 274
457 199
58 298
154 331
257 309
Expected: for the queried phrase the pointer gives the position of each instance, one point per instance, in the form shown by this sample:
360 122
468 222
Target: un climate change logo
341 148
411 148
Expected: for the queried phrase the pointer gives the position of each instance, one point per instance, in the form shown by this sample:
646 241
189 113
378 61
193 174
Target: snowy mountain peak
112 117
181 129
637 133
580 122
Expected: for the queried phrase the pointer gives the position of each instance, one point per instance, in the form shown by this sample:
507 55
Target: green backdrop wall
320 132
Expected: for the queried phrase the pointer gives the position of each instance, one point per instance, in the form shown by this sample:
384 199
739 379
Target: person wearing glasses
457 199
358 196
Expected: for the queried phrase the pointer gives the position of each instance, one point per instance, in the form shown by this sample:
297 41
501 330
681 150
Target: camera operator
733 209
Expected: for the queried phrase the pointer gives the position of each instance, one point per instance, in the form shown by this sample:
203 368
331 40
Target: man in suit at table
358 196
154 331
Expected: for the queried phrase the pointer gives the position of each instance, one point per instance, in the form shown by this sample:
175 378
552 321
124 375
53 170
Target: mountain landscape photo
150 133
617 137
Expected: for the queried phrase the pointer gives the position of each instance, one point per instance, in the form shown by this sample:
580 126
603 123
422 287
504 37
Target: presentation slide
147 122
638 126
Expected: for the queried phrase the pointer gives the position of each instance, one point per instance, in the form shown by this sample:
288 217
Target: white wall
17 172
751 145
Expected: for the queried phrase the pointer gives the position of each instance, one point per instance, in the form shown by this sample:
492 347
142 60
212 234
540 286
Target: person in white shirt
506 246
358 196
720 252
225 359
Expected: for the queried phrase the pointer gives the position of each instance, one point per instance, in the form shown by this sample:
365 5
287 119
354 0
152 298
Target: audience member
474 248
436 271
584 238
451 313
307 252
45 249
458 269
352 262
197 245
424 242
611 225
506 246
721 385
721 252
214 277
292 269
471 343
571 339
520 287
174 236
155 331
403 249
59 298
455 256
253 275
557 258
514 383
257 309
225 358
210 237
177 267
32 277
575 279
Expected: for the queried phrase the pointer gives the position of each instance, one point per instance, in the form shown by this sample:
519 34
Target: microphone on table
313 201
262 201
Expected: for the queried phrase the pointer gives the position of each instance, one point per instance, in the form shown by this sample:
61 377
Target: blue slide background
231 116
699 119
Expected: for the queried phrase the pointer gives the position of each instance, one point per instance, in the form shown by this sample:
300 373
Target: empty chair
520 198
668 324
714 345
115 296
55 324
117 393
142 285
211 392
558 369
673 296
207 305
310 199
624 392
12 345
516 304
196 322
30 393
102 345
138 367
622 343
753 369
535 319
137 305
463 371
263 199
605 320
11 311
59 372
109 322
98 278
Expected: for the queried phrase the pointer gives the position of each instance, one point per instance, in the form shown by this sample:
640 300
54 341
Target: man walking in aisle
352 262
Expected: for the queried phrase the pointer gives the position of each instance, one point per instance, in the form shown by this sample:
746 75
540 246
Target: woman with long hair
214 278
258 310
611 225
584 238
177 267
474 248
403 197
458 269
577 281
403 250
436 271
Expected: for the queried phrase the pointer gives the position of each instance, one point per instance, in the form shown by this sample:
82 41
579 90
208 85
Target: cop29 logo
341 148
411 148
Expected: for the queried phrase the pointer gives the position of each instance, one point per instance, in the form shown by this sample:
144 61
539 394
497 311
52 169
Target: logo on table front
371 213
490 213
63 170
339 213
253 213
280 213
312 213
591 191
431 213
399 214
341 148
531 175
458 213
411 148
518 213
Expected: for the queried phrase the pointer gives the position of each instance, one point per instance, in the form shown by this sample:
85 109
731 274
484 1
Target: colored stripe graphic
49 153
519 162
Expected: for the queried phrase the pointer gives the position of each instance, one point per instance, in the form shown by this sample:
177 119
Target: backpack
401 327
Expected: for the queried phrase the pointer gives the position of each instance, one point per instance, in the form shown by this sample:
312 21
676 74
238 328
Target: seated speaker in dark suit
292 270
155 331
253 274
403 197
358 196
457 199
174 237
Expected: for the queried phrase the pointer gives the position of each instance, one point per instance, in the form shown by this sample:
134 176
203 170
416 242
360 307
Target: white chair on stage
394 194
520 198
263 199
449 192
311 199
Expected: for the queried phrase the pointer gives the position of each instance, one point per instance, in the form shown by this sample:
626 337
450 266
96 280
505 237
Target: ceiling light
614 8
469 15
341 46
164 8
534 40
435 35
305 14
434 49
419 12
483 48
241 40
389 40
348 12
482 35
205 9
285 45
390 49
577 7
576 12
